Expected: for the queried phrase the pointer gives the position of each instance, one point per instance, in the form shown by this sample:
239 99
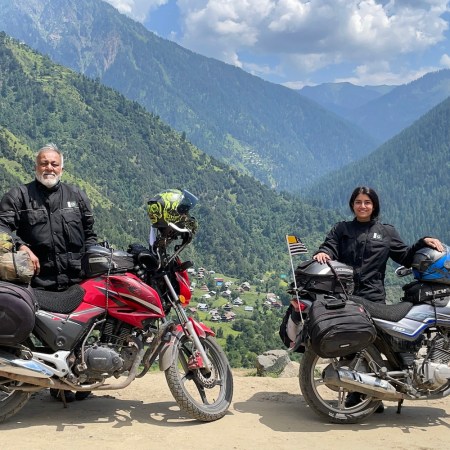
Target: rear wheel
204 396
11 401
329 402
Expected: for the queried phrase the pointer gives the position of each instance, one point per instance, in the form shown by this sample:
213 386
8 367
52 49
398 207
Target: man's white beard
48 181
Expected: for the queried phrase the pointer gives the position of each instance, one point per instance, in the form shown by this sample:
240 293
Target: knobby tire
205 397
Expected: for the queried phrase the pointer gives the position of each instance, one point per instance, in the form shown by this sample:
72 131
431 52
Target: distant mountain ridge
343 98
383 111
260 128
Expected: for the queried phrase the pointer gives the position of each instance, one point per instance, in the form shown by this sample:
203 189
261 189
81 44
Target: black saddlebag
17 312
339 327
419 292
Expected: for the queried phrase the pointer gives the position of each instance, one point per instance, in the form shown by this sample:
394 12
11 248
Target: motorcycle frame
110 296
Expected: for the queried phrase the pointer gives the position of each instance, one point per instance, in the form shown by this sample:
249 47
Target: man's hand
33 257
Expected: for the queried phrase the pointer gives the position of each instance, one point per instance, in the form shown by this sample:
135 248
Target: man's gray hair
52 147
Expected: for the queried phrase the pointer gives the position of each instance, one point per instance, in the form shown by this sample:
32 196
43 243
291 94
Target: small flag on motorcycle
295 245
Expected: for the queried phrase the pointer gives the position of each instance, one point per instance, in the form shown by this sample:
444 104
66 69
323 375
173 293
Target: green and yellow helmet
172 205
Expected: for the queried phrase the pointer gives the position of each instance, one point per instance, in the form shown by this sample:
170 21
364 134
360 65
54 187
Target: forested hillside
411 172
120 154
260 128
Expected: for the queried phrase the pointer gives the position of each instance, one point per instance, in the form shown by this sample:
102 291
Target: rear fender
168 352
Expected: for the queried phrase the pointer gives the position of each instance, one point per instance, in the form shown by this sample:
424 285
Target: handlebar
180 230
403 271
171 233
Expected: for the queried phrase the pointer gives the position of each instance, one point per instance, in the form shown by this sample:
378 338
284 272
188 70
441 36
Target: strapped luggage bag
420 292
339 327
17 312
15 266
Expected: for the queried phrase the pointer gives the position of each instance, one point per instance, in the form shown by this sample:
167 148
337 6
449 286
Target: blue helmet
432 266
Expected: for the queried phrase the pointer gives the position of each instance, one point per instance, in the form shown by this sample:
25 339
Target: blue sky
299 42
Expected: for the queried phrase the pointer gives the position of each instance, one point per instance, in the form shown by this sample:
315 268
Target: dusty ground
266 413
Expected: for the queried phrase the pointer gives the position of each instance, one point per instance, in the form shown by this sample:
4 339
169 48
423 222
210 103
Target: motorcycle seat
392 313
63 302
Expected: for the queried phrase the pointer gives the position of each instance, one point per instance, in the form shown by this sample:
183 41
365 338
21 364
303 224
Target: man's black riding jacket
55 223
367 246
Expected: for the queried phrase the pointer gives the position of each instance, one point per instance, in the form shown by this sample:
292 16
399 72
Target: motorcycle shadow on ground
285 412
279 411
98 408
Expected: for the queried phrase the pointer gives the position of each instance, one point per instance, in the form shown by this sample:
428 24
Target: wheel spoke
329 401
206 396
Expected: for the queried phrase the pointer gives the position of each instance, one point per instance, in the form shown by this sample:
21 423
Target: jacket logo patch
377 236
71 204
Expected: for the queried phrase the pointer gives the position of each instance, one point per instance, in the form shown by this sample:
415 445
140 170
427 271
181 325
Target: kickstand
399 406
62 396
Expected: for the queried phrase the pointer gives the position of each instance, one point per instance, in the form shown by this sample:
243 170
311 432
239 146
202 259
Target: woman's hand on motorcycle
434 243
322 257
33 257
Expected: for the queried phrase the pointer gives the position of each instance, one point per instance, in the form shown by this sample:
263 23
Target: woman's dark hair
371 194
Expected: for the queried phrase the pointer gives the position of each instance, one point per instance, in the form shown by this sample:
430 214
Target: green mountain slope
411 173
120 154
260 128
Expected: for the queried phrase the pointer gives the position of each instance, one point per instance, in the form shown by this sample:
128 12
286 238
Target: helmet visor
188 201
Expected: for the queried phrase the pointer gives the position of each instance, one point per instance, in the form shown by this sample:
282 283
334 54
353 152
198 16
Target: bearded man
51 220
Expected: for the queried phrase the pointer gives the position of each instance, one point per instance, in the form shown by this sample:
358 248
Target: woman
366 244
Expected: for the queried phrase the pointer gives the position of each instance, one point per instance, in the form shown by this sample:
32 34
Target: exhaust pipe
360 382
11 364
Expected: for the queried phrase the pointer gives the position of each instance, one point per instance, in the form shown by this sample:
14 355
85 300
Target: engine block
440 350
102 360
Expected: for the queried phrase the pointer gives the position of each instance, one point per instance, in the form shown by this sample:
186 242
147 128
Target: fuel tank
125 296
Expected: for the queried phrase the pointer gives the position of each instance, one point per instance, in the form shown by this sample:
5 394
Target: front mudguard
168 353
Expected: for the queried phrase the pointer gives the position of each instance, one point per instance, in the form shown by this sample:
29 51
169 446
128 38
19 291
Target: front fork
187 325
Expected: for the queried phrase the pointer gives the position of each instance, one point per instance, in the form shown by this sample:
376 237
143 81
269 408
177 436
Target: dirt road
266 413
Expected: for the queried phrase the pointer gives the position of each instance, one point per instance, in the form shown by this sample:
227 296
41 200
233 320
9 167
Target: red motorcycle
126 316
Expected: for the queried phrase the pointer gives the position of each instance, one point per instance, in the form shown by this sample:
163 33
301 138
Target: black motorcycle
404 356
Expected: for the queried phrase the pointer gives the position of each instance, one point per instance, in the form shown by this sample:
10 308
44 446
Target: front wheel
11 401
204 396
330 402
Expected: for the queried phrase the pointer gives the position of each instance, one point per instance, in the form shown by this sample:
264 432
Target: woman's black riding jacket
55 223
367 246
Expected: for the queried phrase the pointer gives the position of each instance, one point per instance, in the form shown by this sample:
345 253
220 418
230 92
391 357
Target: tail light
300 305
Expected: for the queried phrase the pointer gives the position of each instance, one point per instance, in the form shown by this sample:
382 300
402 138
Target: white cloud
380 72
312 35
136 9
297 85
300 37
445 61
